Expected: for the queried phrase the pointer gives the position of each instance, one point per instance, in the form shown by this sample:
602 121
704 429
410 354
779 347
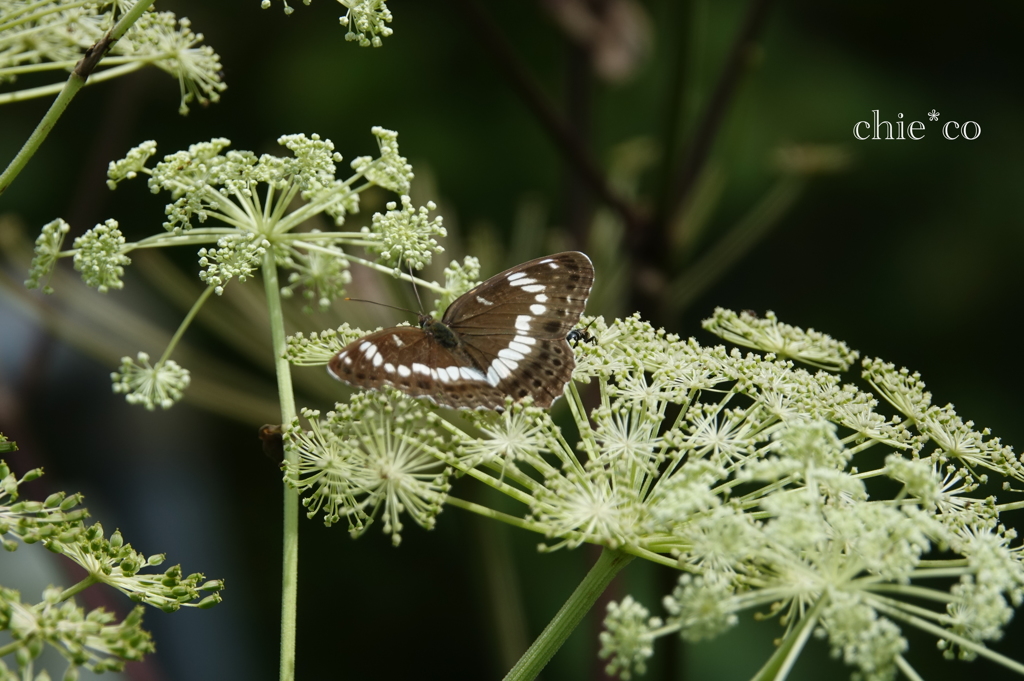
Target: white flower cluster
322 278
458 279
129 167
99 256
93 640
772 488
789 342
47 250
377 455
367 21
236 257
150 385
407 236
390 170
52 35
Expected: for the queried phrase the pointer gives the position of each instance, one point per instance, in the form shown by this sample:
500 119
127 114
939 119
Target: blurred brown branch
647 232
553 123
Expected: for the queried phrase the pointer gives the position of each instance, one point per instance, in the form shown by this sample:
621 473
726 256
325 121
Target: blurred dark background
720 134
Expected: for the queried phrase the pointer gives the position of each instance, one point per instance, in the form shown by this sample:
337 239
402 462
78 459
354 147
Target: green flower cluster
320 276
100 258
54 35
47 251
112 562
376 455
406 236
318 349
771 488
367 21
259 206
151 385
458 279
236 256
93 639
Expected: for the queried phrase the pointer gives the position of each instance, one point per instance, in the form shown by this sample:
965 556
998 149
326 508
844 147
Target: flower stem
55 88
907 670
945 634
185 324
422 283
569 616
74 83
778 665
290 549
486 512
81 586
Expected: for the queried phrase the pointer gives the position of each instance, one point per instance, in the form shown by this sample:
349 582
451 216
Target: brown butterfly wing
505 337
551 292
411 360
514 324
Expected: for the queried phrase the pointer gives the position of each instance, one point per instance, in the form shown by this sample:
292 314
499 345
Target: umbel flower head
376 456
47 251
100 258
773 489
50 35
366 20
246 213
94 639
159 385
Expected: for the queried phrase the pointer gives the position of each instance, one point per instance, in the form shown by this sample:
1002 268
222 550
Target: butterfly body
440 331
505 337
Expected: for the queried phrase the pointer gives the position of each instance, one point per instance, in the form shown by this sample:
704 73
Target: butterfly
503 338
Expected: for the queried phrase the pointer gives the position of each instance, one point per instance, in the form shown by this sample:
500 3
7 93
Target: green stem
193 237
486 512
429 285
185 323
778 665
907 670
569 616
290 550
579 414
946 634
71 87
81 586
498 484
124 65
523 524
1013 506
36 68
347 237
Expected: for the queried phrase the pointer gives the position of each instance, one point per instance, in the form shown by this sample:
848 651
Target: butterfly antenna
374 302
416 290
